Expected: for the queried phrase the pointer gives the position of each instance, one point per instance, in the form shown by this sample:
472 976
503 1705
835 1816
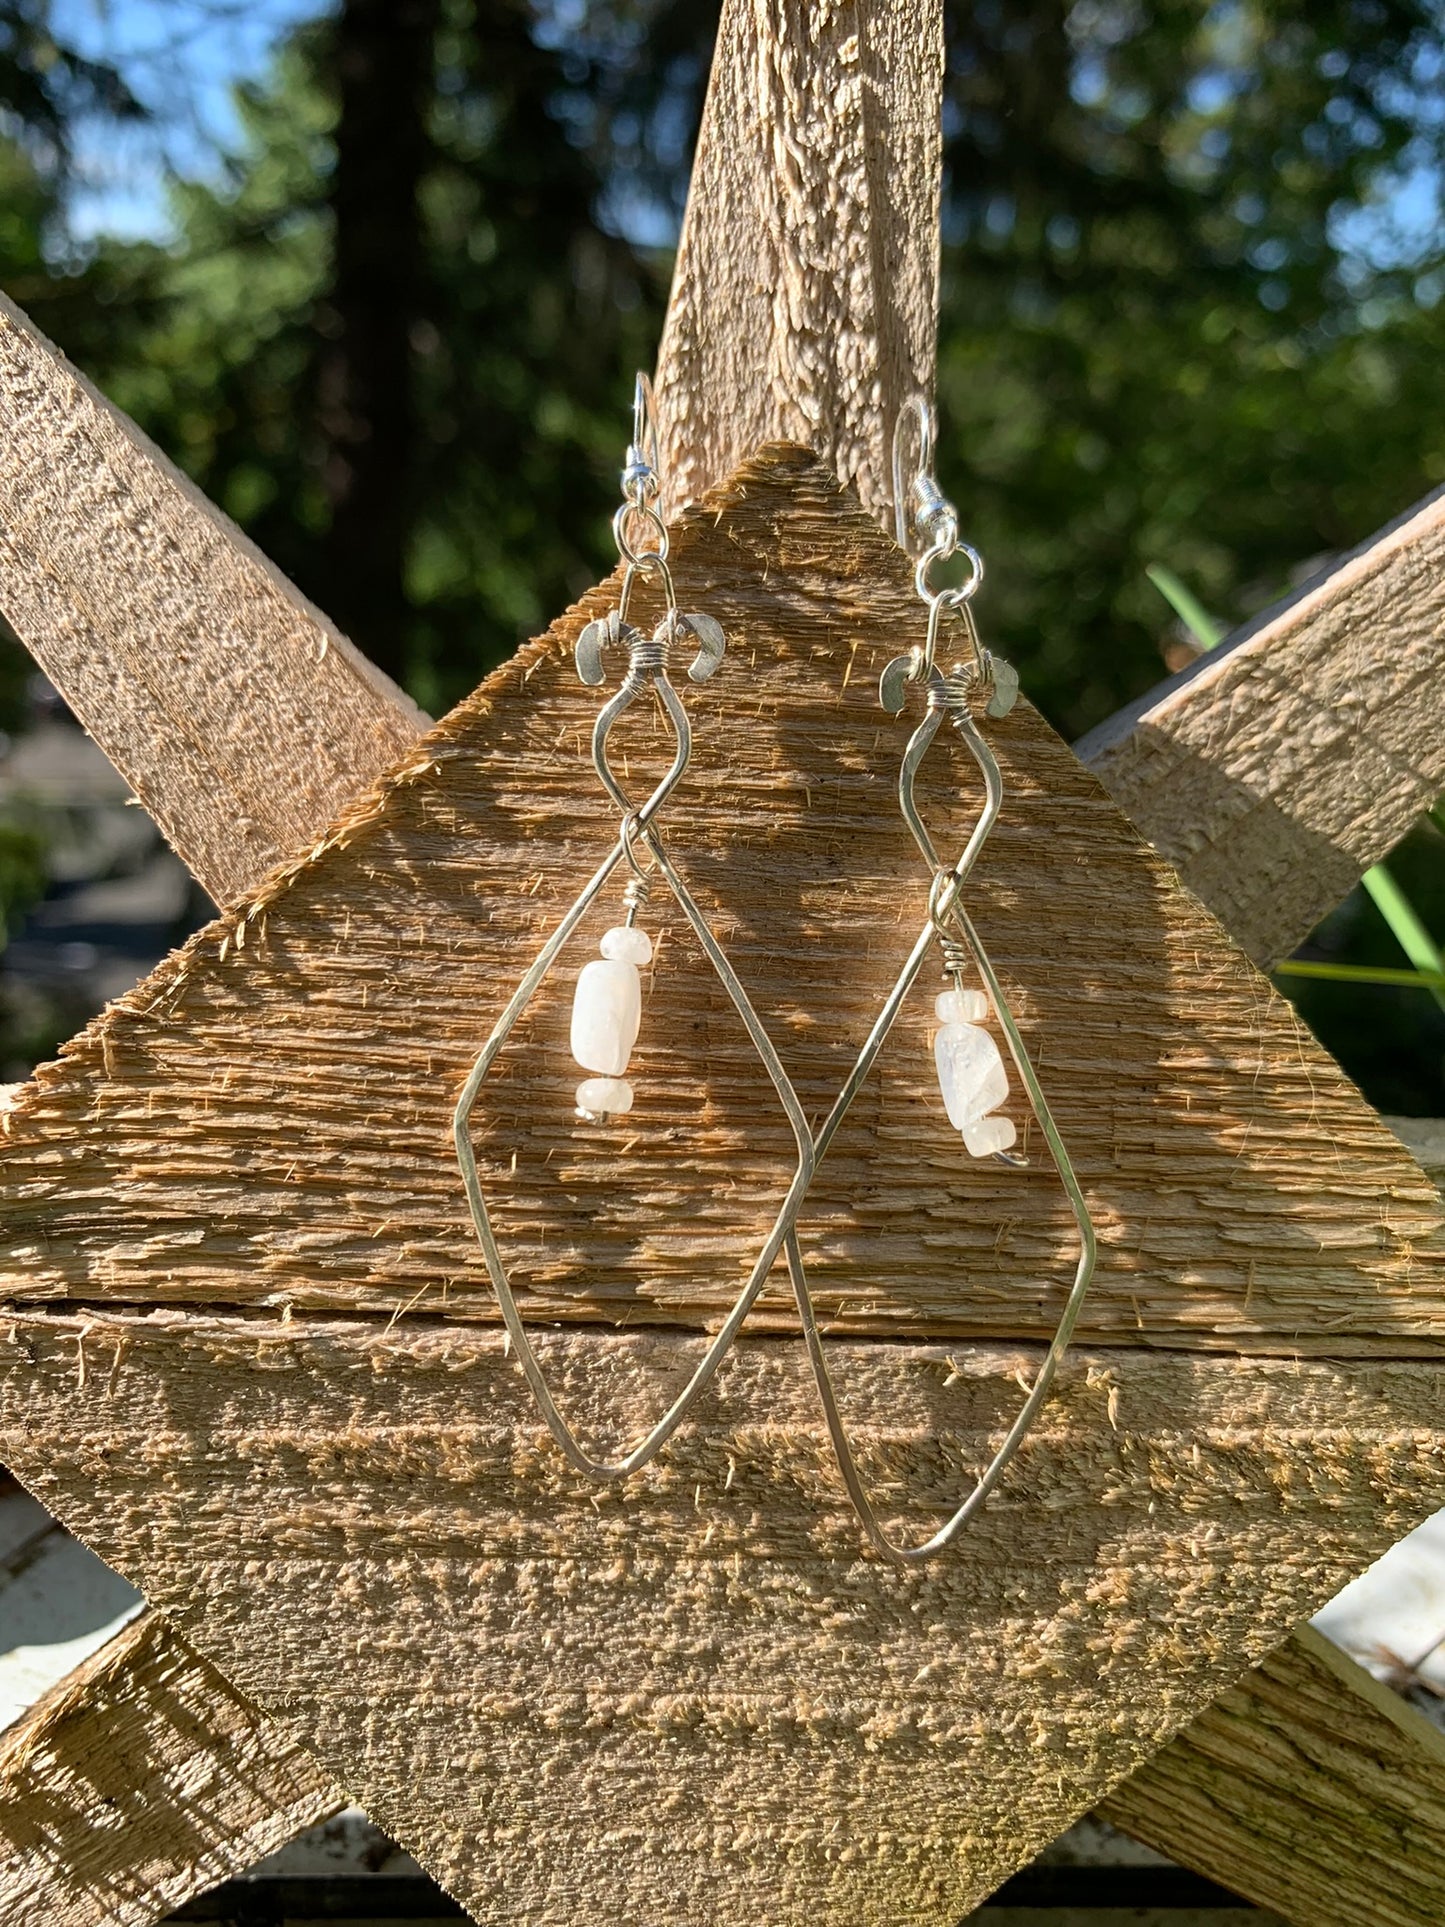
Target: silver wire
951 906
646 669
948 925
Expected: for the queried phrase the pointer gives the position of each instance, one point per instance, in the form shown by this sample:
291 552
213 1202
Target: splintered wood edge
143 1757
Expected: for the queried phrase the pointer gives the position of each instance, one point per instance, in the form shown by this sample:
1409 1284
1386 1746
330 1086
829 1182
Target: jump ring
944 551
954 602
621 523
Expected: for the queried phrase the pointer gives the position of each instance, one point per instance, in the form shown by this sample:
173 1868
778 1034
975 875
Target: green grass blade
1397 910
1405 926
1433 980
1187 606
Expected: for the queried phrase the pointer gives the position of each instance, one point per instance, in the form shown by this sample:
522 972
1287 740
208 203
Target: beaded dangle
607 1001
973 1080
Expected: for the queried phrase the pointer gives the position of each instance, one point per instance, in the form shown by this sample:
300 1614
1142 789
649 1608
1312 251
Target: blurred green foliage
1390 1040
1177 326
22 871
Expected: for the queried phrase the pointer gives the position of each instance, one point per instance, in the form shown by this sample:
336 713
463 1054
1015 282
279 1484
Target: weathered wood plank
693 1697
142 1780
224 881
1309 1788
1388 1761
1424 1137
241 718
1277 769
266 1120
249 870
805 301
417 914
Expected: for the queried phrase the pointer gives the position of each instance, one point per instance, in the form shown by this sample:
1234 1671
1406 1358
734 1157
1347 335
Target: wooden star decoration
252 1356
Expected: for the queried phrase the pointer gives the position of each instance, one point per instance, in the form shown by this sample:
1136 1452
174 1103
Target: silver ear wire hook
644 459
926 525
915 409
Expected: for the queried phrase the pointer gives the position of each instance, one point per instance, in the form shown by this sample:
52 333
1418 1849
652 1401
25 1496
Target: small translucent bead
970 1073
990 1134
604 1097
960 1007
626 945
606 1015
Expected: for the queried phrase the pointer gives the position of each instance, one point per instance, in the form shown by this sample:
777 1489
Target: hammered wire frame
949 701
647 669
949 698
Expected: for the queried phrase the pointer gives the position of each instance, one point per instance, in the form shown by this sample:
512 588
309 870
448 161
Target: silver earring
972 1078
607 1006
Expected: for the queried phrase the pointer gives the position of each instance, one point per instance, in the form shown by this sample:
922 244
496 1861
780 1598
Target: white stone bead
605 1096
990 1134
970 1073
606 1014
626 945
960 1007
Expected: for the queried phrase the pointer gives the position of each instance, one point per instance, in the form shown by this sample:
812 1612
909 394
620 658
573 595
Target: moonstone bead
626 945
606 1014
960 1007
605 1096
990 1134
970 1073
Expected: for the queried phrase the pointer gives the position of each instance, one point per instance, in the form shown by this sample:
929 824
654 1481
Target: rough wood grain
142 1780
1309 1788
256 786
444 862
694 1698
266 1121
1274 772
805 301
241 718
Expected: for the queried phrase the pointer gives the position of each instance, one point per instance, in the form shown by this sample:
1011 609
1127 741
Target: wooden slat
1179 1511
139 1782
1218 1870
1307 1738
693 1698
241 718
134 724
1425 1139
805 302
1309 1788
289 1076
1277 769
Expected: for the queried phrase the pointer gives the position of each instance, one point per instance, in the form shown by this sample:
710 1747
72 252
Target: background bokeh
377 275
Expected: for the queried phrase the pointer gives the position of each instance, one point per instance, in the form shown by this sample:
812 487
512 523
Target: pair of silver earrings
607 1006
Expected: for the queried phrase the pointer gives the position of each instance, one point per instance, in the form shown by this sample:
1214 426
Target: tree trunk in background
384 63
